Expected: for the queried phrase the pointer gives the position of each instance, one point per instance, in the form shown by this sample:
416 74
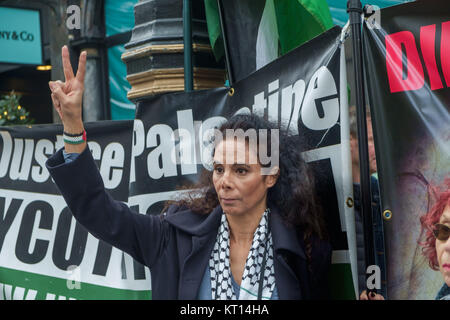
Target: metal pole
354 9
187 41
225 43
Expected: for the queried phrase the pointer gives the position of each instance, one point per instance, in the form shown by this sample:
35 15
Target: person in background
376 207
436 229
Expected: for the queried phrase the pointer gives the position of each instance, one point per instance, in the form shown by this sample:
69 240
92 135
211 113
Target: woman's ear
272 177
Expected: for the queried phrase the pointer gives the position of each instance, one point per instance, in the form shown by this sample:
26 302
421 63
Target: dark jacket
177 246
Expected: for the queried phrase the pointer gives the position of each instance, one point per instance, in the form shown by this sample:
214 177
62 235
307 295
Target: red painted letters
427 40
414 79
445 51
403 54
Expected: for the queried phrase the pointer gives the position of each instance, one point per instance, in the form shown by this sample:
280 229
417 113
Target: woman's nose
227 180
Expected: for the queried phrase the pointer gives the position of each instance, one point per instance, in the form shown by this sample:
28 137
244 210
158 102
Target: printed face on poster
408 68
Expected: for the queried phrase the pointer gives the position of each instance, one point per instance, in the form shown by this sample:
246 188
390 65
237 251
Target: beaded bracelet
74 138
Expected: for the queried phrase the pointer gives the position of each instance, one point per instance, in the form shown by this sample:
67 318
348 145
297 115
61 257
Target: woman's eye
218 169
242 171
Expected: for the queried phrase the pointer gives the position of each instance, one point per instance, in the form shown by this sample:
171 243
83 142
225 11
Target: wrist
74 142
76 138
74 127
75 148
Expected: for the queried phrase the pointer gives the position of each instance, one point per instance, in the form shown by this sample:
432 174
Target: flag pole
225 43
187 44
354 8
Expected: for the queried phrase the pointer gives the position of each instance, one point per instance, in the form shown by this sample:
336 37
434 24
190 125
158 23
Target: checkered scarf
219 264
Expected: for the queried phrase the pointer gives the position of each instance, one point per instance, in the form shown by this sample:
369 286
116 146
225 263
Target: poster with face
407 61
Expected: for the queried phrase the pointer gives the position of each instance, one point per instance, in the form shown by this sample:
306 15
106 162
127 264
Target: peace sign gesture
67 96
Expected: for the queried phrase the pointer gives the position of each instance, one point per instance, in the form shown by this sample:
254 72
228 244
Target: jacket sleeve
142 236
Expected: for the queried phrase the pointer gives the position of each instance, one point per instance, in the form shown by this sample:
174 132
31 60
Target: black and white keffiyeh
219 264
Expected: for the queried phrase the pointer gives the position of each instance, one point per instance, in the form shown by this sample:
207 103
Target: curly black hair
294 192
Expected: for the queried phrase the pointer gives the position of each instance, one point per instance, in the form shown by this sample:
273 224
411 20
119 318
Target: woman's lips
228 200
446 266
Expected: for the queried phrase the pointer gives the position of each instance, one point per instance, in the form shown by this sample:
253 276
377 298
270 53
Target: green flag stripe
320 11
214 30
59 287
298 22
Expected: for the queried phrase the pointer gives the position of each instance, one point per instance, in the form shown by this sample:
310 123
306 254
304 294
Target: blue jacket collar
284 236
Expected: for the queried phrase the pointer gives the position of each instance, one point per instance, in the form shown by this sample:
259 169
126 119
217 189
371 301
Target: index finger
67 66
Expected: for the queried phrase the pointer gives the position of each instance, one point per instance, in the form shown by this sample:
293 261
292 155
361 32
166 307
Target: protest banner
407 64
44 254
303 91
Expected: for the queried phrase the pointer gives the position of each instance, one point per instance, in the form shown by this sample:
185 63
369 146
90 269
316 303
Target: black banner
145 161
407 56
44 252
25 149
300 91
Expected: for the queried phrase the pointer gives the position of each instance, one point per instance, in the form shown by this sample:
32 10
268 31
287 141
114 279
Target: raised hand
67 96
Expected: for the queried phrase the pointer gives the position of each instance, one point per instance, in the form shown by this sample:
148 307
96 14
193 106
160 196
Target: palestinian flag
259 31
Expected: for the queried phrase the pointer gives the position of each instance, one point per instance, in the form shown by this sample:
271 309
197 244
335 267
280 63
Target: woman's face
237 178
443 248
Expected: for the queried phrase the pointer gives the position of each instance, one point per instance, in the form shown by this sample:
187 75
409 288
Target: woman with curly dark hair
436 229
250 230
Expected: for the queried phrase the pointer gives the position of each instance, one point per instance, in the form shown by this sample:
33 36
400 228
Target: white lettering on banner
113 157
8 292
37 235
318 109
186 136
319 106
95 149
137 147
298 91
43 147
273 101
6 153
321 91
164 151
17 157
260 104
59 142
20 167
52 296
